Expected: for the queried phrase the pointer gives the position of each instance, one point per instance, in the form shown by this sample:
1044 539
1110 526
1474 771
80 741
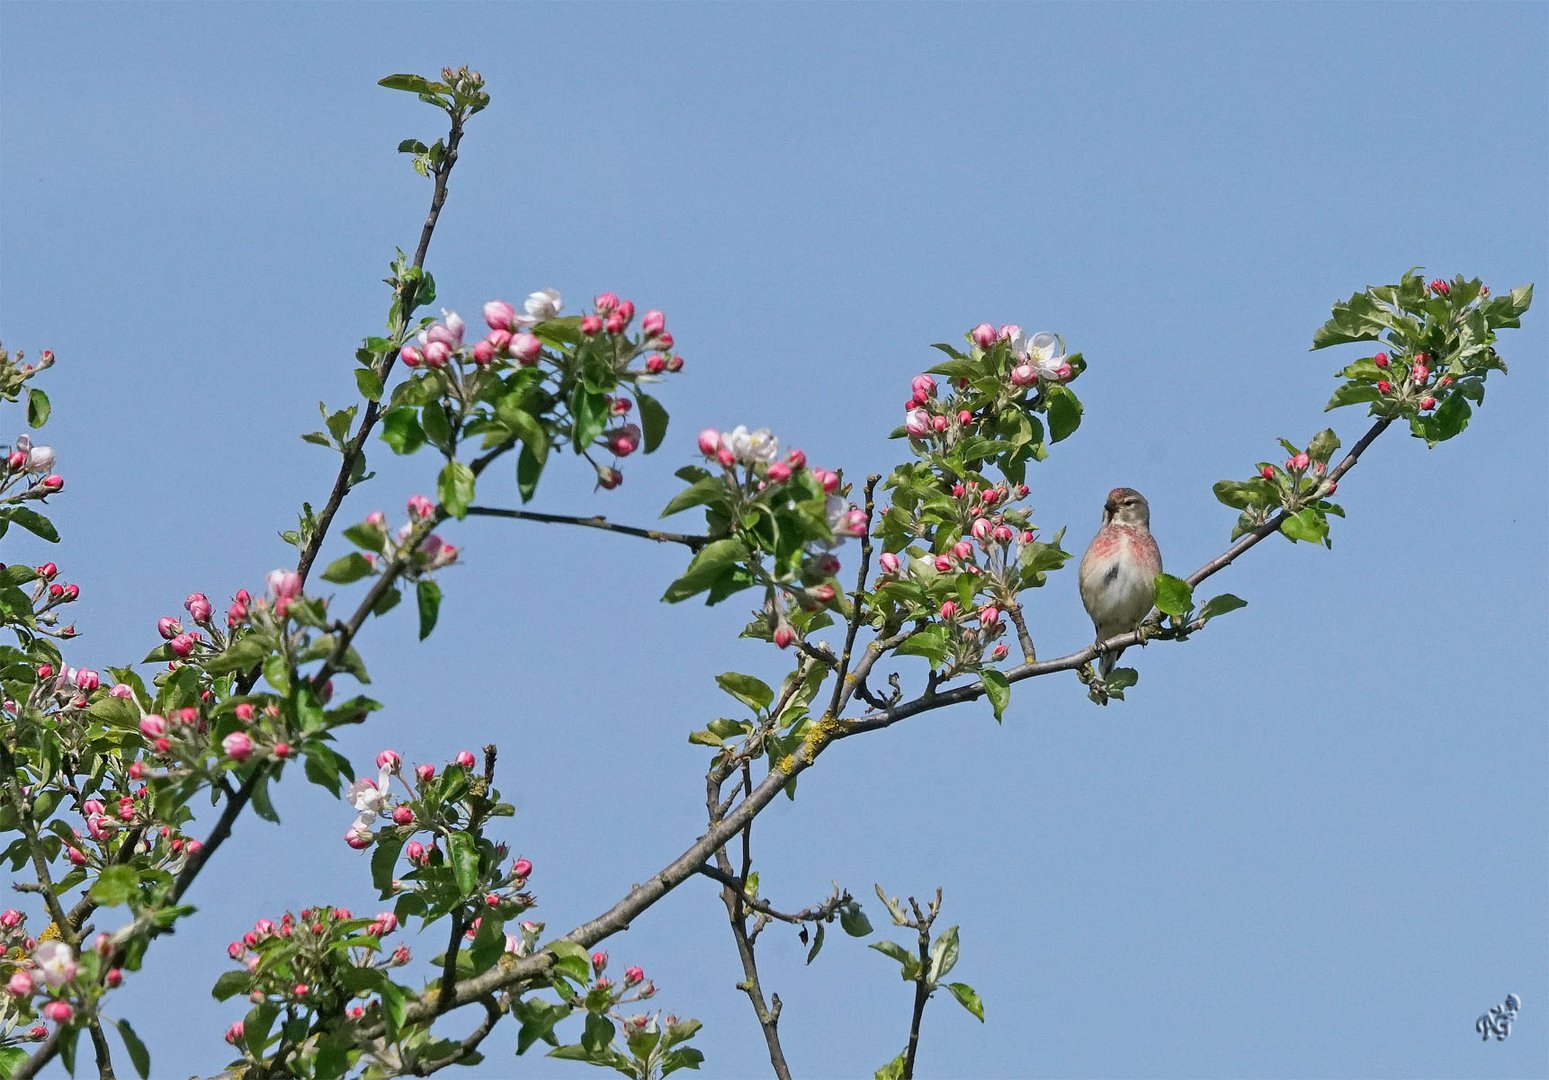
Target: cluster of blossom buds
24 460
431 553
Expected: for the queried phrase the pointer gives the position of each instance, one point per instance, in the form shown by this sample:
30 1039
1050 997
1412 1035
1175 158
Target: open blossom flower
751 446
917 423
56 961
541 305
40 459
283 584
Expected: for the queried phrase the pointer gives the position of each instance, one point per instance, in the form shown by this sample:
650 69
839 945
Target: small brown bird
1118 571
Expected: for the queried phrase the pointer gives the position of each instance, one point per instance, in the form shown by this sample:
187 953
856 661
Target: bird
1118 571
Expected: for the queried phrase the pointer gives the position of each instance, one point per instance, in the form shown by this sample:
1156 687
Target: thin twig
99 1045
595 521
492 1015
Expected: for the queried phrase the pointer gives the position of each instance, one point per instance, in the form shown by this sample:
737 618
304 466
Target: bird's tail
1109 659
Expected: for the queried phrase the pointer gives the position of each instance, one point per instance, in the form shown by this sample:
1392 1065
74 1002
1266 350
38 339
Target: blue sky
1310 844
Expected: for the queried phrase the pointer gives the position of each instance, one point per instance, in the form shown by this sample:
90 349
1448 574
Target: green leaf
529 467
907 960
38 408
653 420
351 567
455 487
1352 394
968 999
1242 494
369 384
930 643
428 593
1220 605
1174 596
1323 445
707 490
853 920
1064 412
116 885
139 1056
1307 525
817 942
998 689
33 522
572 959
401 430
753 693
230 984
893 1070
943 954
684 1057
712 560
465 861
244 653
415 84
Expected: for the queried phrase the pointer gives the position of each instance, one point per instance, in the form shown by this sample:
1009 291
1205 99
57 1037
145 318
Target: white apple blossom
56 961
750 446
541 305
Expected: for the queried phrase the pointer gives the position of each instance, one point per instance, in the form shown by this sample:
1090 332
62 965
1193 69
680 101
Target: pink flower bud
889 562
234 1033
1298 463
420 507
949 610
963 550
725 456
87 680
917 424
1383 386
464 758
115 977
1267 472
16 460
1419 373
238 746
622 441
402 815
608 479
591 325
59 1012
411 356
999 652
10 919
1024 375
656 363
425 773
653 323
20 984
283 584
199 608
605 302
779 472
829 480
626 308
1427 403
924 388
521 869
982 527
1330 487
633 975
182 645
983 335
599 962
500 315
45 671
168 627
483 353
709 442
359 838
989 616
1004 533
76 856
437 353
1381 360
674 362
1421 358
526 349
414 851
1440 287
389 759
783 636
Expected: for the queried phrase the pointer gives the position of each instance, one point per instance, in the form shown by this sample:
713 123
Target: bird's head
1126 506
